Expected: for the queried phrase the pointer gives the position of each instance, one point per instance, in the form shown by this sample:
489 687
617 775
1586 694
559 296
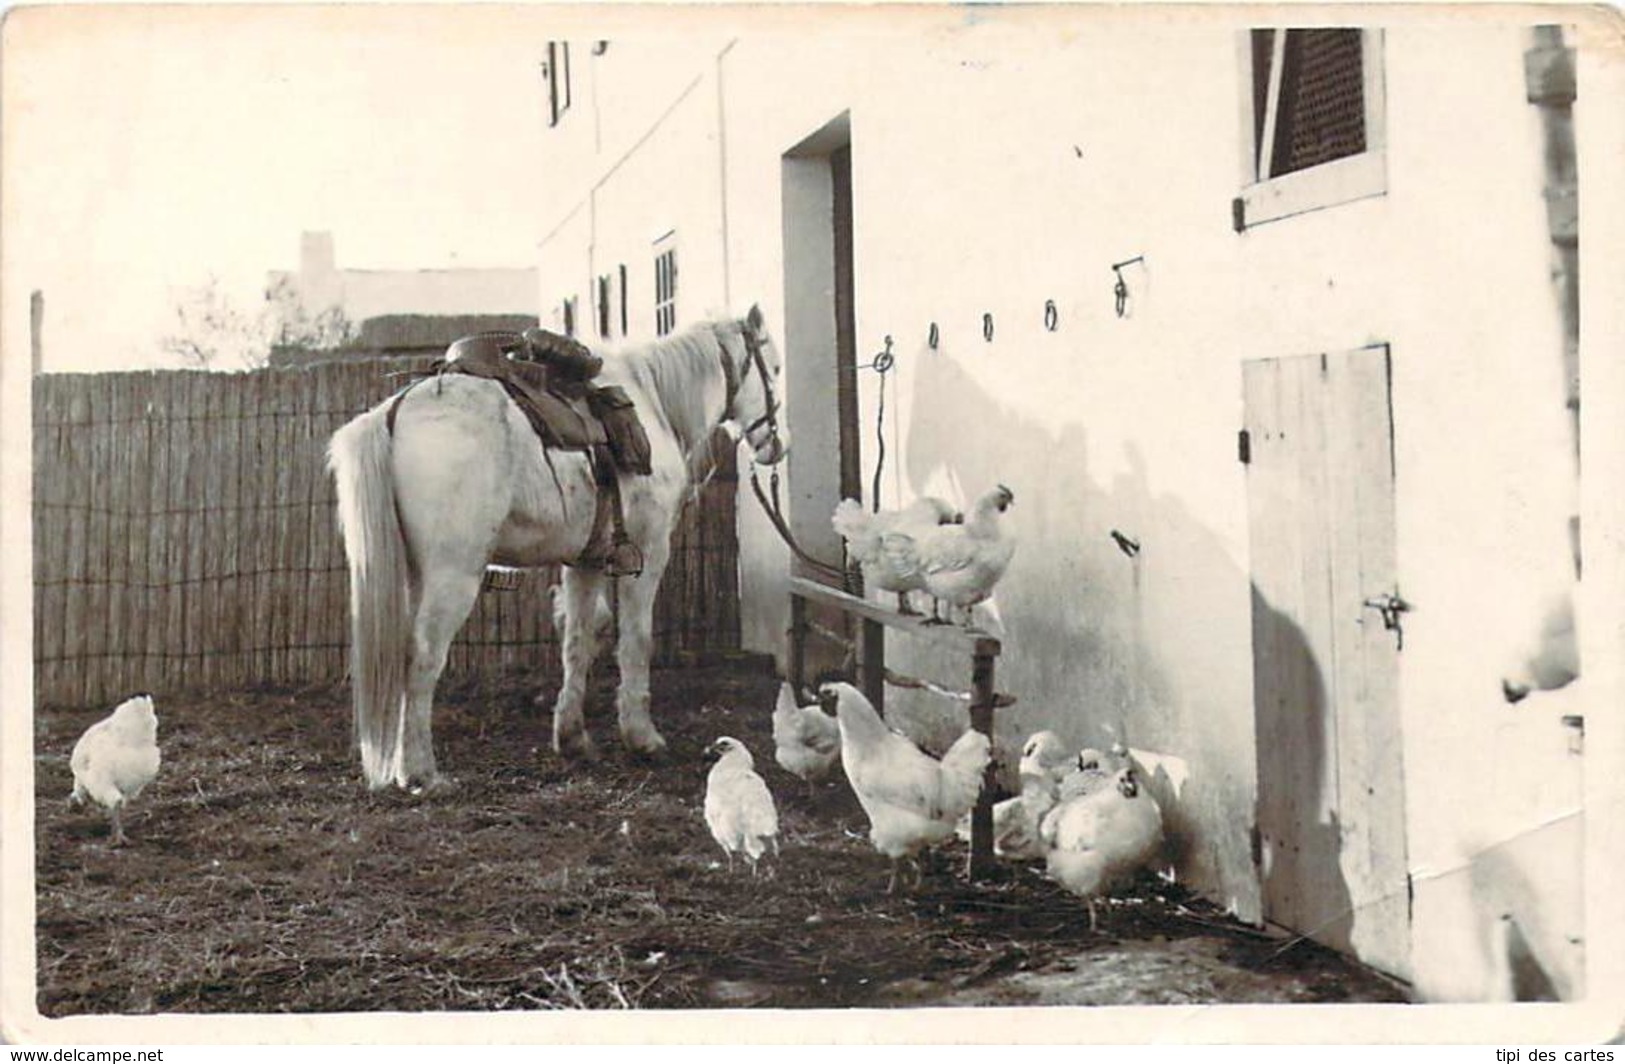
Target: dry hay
263 877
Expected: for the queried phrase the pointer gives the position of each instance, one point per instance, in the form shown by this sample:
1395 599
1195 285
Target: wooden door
1330 816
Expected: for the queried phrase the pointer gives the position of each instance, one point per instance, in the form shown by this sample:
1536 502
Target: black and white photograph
758 522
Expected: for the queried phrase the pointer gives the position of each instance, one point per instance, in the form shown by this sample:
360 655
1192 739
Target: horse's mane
679 372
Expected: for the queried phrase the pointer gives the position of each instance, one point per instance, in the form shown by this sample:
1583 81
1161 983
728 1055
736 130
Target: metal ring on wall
883 362
932 337
987 327
1052 317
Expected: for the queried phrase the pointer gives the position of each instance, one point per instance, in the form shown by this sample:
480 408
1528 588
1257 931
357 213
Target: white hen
912 799
739 808
1098 842
806 740
116 758
1015 820
884 544
962 563
1091 771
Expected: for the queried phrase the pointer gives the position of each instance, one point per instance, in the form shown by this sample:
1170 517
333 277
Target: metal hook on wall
882 364
883 361
1052 316
1120 289
931 337
987 327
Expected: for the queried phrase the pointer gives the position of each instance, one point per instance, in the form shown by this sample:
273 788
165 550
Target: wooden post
872 663
981 718
798 643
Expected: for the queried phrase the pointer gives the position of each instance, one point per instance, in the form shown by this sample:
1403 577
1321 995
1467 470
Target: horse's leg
632 652
581 589
444 602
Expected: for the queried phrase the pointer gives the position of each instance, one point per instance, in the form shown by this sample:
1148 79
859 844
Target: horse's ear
755 319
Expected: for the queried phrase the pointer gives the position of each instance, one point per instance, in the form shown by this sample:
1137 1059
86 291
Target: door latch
1390 606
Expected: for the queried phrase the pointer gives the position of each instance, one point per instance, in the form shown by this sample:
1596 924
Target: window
665 288
557 72
624 329
603 307
1313 118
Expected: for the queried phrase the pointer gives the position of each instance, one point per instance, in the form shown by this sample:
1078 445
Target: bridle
735 378
772 507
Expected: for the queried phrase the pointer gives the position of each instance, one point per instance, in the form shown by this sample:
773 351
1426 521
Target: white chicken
116 758
962 563
884 544
739 808
912 799
1091 771
806 740
1552 660
1098 842
1015 820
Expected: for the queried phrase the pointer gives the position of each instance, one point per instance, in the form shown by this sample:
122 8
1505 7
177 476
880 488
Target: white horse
461 481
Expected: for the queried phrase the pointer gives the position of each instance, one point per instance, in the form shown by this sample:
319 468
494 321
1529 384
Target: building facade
1267 332
321 285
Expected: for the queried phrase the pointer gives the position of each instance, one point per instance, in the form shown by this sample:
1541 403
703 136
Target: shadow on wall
1081 619
1529 954
1299 851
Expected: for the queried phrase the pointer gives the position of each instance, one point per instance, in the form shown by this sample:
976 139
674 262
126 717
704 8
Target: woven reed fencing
185 539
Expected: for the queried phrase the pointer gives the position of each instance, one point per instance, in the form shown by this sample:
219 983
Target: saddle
550 378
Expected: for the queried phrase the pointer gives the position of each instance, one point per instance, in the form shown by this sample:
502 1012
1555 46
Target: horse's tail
380 595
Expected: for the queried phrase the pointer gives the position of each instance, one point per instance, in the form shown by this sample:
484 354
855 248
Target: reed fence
185 539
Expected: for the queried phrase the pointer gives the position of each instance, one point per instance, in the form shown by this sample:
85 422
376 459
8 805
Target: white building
1365 311
320 285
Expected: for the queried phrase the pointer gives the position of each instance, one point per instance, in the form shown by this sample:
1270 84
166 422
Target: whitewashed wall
1004 158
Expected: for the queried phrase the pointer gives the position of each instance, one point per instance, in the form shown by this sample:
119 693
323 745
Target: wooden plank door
1330 817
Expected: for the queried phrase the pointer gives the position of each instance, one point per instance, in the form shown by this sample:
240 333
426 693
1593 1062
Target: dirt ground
263 877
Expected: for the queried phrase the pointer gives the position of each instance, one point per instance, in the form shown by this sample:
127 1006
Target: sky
146 149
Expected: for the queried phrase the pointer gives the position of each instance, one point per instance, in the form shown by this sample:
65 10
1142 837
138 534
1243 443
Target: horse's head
753 381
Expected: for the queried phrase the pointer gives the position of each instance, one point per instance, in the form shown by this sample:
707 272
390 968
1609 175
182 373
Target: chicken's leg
118 838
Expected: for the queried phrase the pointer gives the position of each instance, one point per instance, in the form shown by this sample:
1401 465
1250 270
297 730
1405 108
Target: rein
775 514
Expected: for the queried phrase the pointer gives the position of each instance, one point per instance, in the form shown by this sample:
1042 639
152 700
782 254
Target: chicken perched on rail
962 563
806 740
1015 820
884 544
1098 842
913 800
116 758
739 808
